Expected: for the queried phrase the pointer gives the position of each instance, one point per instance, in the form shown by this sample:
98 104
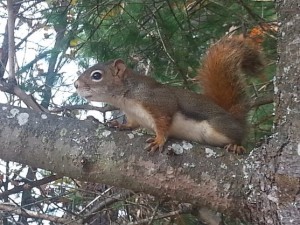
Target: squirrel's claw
153 145
236 149
113 124
116 124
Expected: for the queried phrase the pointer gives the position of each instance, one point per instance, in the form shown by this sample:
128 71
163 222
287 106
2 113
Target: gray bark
253 188
87 151
273 195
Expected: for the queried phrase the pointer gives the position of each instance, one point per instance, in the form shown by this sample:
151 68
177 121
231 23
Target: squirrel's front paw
234 148
112 124
116 124
155 144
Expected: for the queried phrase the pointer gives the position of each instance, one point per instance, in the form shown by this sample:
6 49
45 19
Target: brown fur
217 118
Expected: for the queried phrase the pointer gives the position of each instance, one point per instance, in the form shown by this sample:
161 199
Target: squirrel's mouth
87 96
84 94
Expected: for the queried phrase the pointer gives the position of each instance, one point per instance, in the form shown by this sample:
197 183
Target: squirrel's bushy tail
221 75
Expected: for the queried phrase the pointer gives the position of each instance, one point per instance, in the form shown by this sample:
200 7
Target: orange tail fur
221 75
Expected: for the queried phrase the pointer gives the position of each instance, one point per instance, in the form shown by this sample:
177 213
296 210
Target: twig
30 185
12 88
84 107
162 42
250 11
263 100
170 214
11 40
4 53
35 60
31 214
104 204
154 213
95 199
11 85
28 99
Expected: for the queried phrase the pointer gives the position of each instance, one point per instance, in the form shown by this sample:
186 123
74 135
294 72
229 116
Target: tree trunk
273 170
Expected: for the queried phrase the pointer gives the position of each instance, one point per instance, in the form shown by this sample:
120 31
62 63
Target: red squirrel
217 117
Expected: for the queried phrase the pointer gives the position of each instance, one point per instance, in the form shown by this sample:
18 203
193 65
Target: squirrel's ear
120 67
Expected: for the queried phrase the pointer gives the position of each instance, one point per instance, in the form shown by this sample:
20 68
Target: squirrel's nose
76 84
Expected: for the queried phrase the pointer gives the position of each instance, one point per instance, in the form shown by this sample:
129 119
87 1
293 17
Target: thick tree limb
257 188
86 151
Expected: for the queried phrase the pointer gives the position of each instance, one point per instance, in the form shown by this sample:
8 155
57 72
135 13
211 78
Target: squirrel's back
221 75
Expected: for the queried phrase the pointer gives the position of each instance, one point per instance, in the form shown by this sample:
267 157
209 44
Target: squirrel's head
102 81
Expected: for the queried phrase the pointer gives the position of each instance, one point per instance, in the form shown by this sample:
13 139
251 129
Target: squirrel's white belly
200 131
135 111
182 127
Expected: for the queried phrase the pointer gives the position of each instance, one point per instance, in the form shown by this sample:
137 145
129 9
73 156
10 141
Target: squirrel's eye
96 75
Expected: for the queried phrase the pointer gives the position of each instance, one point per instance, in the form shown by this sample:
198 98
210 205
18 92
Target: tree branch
11 40
103 204
5 45
12 88
84 107
262 100
32 214
30 185
170 214
86 151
